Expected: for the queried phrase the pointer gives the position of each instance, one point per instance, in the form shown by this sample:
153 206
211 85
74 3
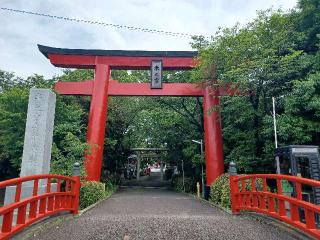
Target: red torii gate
101 87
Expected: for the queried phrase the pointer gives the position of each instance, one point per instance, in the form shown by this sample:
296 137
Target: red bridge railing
23 212
252 193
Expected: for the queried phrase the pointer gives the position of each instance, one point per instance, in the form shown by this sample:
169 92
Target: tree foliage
275 55
69 130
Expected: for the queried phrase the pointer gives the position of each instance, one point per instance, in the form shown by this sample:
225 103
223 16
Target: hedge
91 192
220 191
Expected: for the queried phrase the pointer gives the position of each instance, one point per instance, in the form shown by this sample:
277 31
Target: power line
78 20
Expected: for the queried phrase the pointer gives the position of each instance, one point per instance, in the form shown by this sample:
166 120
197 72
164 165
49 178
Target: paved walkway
146 213
152 180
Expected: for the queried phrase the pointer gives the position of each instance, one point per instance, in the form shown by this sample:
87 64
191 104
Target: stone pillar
37 140
39 131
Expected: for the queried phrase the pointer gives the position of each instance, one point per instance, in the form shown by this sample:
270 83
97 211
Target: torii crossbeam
102 86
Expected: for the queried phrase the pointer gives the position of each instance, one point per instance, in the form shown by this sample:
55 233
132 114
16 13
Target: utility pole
274 122
275 133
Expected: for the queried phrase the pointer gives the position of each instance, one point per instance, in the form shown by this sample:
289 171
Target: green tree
69 130
268 57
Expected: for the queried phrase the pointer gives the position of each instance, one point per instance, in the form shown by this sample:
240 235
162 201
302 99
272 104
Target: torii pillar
97 122
212 136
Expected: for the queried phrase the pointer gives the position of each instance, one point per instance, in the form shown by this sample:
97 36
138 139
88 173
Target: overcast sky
20 33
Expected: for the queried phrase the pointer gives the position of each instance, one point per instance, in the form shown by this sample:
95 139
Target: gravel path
146 213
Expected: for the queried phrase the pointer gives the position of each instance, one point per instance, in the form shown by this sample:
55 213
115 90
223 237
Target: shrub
220 191
112 178
91 192
177 184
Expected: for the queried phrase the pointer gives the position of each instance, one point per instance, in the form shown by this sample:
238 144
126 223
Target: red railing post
22 211
281 205
34 204
7 222
76 193
57 199
18 192
298 190
262 199
234 189
76 188
294 208
310 219
254 193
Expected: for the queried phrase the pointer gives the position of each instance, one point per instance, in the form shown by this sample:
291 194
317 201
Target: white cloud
20 33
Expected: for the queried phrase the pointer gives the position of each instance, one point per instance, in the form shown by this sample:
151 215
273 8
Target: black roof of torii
45 50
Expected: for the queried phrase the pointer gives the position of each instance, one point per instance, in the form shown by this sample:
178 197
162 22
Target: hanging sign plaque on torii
156 74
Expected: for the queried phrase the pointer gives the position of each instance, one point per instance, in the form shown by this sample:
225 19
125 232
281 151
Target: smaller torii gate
102 86
139 155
